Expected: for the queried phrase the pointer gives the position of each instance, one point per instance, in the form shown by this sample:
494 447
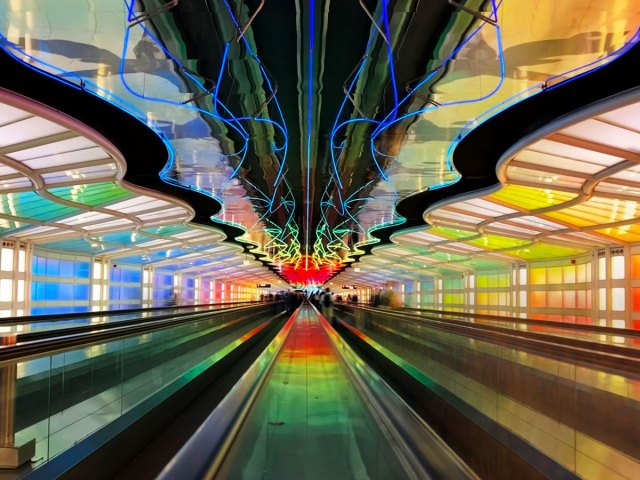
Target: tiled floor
309 422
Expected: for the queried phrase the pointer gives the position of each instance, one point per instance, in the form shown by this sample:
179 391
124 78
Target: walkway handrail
52 317
531 321
203 454
617 357
103 333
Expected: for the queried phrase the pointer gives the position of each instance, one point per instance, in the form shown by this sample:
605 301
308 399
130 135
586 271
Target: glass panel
602 268
617 267
618 299
6 290
6 260
602 298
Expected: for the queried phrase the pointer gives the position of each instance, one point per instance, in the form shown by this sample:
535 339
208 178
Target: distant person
174 298
326 304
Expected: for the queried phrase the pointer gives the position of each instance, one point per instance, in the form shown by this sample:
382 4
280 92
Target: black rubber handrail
23 351
108 313
62 332
625 332
561 348
558 339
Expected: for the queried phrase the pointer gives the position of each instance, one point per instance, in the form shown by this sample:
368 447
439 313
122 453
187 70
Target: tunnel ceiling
320 127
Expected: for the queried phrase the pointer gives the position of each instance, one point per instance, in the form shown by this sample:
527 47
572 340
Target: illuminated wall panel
560 290
60 283
493 292
453 293
188 289
427 293
125 286
162 287
635 266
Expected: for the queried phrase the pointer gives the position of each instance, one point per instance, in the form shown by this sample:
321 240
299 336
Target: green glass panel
497 242
92 194
448 257
544 251
31 205
452 233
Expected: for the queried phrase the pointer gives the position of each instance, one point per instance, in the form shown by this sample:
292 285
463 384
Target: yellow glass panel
531 198
538 276
569 274
625 233
554 275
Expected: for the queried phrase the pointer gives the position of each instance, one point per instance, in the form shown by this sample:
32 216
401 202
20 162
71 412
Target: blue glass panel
50 290
37 291
39 265
53 267
81 292
82 269
115 274
67 268
114 293
65 291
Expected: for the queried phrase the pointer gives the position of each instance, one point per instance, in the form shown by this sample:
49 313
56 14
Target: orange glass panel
554 299
636 298
538 299
635 266
569 299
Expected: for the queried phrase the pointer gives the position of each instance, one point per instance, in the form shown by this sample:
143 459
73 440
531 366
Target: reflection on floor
309 422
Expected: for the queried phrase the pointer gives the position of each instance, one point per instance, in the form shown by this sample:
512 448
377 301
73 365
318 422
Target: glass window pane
617 299
602 298
6 260
21 261
6 290
617 267
602 268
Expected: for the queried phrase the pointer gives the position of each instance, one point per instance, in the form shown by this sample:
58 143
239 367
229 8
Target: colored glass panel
625 233
569 299
531 198
452 233
538 276
538 299
544 251
92 194
635 294
554 275
32 205
635 266
498 242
